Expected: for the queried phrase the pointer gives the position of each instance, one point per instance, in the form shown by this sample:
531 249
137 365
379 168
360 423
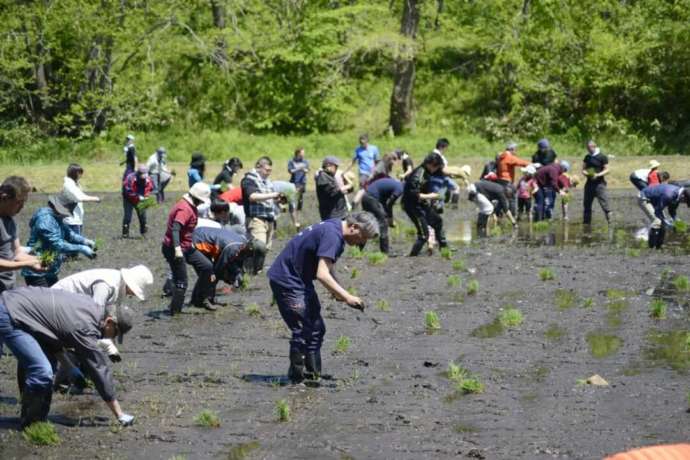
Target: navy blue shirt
295 267
383 189
298 176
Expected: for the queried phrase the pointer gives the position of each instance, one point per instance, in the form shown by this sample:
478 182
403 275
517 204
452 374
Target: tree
401 115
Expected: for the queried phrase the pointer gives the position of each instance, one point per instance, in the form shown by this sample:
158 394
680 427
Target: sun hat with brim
201 191
63 204
654 164
125 320
331 160
137 279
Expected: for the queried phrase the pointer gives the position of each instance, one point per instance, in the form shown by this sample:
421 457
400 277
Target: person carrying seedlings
416 203
138 187
259 209
225 251
329 192
72 188
51 239
311 255
494 192
197 166
547 181
527 187
14 191
379 199
506 162
366 156
545 155
230 168
37 324
159 172
130 162
653 200
298 167
595 167
177 243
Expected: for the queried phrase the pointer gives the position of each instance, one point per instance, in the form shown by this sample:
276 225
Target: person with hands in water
39 324
311 255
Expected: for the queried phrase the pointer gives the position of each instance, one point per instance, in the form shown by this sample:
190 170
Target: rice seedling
680 226
657 309
410 232
207 419
354 273
455 372
633 252
283 410
615 294
496 231
148 202
48 258
565 299
546 274
681 283
458 265
472 287
554 333
41 434
541 226
244 283
253 310
243 450
511 317
383 305
446 253
377 258
352 290
470 385
602 345
431 320
342 344
98 244
588 302
454 281
355 252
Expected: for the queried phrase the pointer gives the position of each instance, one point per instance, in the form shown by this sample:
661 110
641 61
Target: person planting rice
547 181
130 152
379 199
38 323
595 167
506 162
441 181
197 168
653 200
51 239
137 196
177 243
565 183
494 192
312 255
640 177
230 168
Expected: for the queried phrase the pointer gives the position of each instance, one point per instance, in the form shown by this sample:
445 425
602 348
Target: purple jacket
547 176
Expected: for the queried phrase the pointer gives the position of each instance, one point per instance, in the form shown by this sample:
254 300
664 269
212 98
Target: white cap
201 191
136 279
130 137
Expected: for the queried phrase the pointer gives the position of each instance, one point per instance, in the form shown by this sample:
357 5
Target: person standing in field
441 180
298 167
545 154
506 162
653 175
196 170
329 192
138 187
72 189
548 187
130 153
159 172
312 255
366 156
527 187
595 167
230 168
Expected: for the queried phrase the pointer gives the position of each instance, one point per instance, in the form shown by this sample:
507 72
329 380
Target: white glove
125 419
110 349
178 252
90 243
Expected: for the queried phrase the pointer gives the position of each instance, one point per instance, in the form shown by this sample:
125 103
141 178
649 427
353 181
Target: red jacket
134 190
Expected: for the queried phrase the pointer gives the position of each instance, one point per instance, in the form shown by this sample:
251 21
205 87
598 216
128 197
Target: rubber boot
35 407
143 230
168 287
312 362
454 200
177 301
296 370
125 231
417 248
258 262
384 245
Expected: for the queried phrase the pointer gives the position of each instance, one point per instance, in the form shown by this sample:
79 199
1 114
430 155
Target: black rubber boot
177 301
316 362
296 370
417 248
168 287
454 200
384 245
312 362
35 407
125 231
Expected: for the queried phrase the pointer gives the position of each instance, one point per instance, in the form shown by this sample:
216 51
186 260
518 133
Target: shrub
208 419
41 434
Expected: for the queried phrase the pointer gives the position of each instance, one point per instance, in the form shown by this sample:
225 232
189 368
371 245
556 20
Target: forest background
248 77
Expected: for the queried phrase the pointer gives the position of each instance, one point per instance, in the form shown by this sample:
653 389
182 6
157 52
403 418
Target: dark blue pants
301 311
544 201
129 209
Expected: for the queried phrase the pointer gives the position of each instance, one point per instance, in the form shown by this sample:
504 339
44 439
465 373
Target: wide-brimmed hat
137 279
63 204
201 191
125 321
654 164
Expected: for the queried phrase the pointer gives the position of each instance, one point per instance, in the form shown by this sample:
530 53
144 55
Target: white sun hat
137 279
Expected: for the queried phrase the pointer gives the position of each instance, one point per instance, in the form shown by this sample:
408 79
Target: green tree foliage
501 68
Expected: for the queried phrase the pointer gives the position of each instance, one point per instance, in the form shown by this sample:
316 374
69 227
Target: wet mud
391 397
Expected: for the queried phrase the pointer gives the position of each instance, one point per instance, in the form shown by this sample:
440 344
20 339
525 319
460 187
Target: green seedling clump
253 310
98 244
511 317
244 284
207 419
148 202
458 265
283 410
48 258
633 252
541 226
681 283
431 320
546 274
354 273
355 252
465 382
446 253
455 372
342 344
383 305
352 290
472 287
657 309
377 258
453 281
41 434
680 226
588 302
565 299
615 294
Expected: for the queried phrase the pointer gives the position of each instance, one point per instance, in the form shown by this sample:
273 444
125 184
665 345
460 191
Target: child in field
565 183
526 188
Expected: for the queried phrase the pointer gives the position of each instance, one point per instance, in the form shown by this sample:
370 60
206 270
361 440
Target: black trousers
178 267
512 201
203 267
637 182
595 190
129 209
374 206
423 217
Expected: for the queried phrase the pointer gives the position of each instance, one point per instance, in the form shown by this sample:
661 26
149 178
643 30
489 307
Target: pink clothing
526 186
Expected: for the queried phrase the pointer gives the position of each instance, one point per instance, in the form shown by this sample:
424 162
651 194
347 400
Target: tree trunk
221 52
404 74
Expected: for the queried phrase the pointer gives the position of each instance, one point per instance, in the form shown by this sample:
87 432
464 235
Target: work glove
125 419
178 252
110 349
88 252
142 197
90 243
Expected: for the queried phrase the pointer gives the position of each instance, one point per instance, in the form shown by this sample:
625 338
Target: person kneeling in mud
38 323
308 256
653 200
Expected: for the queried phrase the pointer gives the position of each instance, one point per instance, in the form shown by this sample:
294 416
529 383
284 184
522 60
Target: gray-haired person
312 255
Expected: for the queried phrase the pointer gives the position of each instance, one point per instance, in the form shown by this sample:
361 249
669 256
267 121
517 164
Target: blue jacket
661 196
193 176
50 234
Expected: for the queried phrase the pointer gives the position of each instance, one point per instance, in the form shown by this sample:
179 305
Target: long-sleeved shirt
72 189
158 165
506 163
60 319
225 175
662 196
104 285
493 191
331 199
223 246
544 158
415 183
136 187
386 191
547 176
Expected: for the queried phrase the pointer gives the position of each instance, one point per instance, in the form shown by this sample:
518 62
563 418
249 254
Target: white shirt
71 188
204 222
158 168
105 286
642 174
